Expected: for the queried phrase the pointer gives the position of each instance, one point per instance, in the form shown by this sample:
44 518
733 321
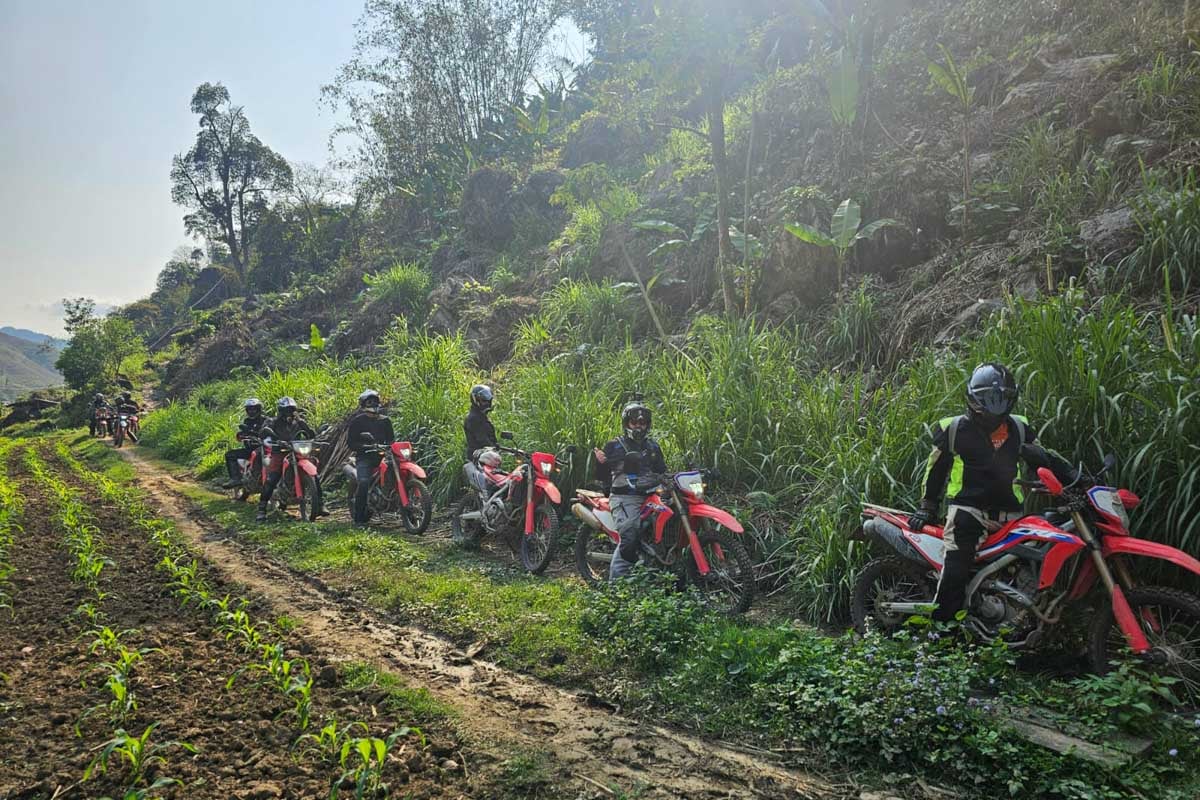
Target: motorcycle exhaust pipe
908 609
585 515
471 516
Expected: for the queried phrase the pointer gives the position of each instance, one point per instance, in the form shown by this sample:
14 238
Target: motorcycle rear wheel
889 579
537 548
729 586
1171 622
594 552
466 534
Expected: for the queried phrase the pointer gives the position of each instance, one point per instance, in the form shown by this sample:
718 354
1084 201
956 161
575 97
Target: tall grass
1168 214
815 443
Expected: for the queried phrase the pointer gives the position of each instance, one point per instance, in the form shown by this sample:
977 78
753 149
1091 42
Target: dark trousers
231 462
962 534
364 473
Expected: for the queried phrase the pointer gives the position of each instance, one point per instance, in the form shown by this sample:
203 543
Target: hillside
25 365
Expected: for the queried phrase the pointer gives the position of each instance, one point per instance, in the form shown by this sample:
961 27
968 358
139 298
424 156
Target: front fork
530 480
702 565
1122 611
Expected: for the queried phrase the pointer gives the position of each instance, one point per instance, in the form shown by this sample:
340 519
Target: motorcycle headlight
691 483
406 453
546 467
302 448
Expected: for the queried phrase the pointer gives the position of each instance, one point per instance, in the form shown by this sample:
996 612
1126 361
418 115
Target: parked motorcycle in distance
124 425
398 487
1038 570
680 533
519 507
254 470
299 483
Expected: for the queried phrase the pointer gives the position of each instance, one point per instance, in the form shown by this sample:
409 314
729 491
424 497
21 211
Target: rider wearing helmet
975 461
249 429
126 404
286 426
481 434
368 428
629 465
98 402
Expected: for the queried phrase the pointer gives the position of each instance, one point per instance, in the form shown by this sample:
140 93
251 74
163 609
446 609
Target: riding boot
261 516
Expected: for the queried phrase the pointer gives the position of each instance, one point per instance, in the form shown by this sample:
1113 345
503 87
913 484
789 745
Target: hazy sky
94 101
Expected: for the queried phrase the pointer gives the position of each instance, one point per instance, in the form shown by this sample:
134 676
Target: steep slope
25 366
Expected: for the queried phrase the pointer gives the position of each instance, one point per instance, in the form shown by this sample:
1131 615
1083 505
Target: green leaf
844 225
660 226
316 342
843 88
667 247
807 234
873 228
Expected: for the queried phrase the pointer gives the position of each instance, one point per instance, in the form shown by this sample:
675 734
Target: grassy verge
916 705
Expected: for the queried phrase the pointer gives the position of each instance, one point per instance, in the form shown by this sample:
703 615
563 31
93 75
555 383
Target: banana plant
845 230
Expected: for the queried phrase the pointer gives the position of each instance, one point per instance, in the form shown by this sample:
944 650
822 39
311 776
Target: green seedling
326 745
106 639
135 752
144 793
362 760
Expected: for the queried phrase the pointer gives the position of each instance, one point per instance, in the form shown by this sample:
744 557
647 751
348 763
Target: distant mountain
33 336
26 365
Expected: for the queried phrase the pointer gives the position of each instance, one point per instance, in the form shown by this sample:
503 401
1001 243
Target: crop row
360 760
11 504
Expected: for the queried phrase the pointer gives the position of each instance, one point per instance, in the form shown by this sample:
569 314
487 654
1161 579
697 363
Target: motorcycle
298 484
397 487
102 422
254 470
697 541
1034 569
519 507
125 424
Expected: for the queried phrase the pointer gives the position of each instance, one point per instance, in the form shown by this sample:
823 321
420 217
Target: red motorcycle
299 484
518 507
397 487
1033 569
254 470
124 424
691 538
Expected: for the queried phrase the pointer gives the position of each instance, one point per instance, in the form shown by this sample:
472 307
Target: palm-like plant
845 230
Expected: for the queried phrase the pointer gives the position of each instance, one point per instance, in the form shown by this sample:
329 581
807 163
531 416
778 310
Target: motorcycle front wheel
887 580
118 436
419 511
466 534
1170 620
729 585
537 548
306 503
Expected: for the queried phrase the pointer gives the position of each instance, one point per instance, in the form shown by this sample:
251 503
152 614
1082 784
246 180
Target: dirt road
596 752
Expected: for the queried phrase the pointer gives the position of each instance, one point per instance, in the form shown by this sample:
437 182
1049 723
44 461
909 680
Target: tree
845 231
227 176
431 78
77 313
94 354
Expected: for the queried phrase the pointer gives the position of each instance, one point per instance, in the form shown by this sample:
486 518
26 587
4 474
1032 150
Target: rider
481 434
630 464
286 426
975 461
368 428
98 402
126 404
249 429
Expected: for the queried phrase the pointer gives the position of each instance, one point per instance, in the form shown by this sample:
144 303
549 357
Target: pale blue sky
94 102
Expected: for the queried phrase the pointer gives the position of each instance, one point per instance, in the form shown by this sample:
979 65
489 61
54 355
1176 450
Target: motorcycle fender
547 488
414 470
401 489
1127 545
310 469
723 518
660 523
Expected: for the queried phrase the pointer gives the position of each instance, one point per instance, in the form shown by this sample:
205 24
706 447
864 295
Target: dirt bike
298 484
254 470
124 424
102 422
1035 569
397 487
518 507
680 533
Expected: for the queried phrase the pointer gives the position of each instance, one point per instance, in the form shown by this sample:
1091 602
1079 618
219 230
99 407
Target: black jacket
379 426
281 430
480 432
623 458
251 427
981 470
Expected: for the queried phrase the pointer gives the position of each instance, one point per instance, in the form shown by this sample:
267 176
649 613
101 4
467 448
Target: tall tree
227 176
97 347
430 78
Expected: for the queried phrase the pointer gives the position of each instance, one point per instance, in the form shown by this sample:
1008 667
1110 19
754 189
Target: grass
403 287
11 506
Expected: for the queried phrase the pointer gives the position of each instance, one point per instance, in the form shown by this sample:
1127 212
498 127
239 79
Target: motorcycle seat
590 495
497 478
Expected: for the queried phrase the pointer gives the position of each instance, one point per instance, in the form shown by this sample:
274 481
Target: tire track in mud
499 708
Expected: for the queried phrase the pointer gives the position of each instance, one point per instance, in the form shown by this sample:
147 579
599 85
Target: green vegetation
11 506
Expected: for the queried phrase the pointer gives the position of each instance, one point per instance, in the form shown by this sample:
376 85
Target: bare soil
591 748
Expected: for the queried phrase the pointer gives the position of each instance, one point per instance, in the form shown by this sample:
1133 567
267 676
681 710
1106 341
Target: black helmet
369 400
992 393
99 398
253 407
286 405
635 411
125 397
481 397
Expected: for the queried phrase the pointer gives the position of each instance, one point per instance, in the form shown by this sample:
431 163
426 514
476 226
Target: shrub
403 287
